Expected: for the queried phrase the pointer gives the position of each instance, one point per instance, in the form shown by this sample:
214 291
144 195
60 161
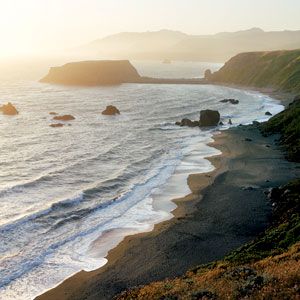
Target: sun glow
39 26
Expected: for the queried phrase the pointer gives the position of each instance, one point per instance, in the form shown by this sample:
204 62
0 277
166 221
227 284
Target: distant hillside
279 70
174 45
138 42
91 73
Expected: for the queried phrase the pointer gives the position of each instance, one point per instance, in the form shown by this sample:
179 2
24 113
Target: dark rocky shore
232 211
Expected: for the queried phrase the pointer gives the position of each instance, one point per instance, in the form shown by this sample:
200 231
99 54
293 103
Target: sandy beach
226 209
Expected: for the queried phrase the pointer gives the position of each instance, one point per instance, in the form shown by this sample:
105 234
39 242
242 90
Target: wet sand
227 208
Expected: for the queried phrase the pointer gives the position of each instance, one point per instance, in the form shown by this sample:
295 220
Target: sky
40 26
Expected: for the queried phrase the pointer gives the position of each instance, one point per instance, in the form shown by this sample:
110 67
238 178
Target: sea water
68 195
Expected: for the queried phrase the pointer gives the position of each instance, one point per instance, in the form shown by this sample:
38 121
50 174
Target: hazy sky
38 25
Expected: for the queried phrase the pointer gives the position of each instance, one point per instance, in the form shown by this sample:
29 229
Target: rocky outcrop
93 73
111 110
268 113
232 101
64 118
187 122
209 118
9 109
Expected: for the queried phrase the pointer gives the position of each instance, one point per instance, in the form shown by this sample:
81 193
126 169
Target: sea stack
207 74
110 110
9 109
93 73
64 118
209 118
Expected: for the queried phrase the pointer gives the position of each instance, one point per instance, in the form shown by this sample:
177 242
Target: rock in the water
64 118
53 113
221 123
56 125
93 73
255 123
209 118
232 101
111 110
187 122
230 122
248 140
9 109
207 74
268 113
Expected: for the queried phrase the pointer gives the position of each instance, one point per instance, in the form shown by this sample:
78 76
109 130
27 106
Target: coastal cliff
279 70
92 73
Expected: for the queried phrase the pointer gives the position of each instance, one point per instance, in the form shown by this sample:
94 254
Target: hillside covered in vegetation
287 123
279 70
265 268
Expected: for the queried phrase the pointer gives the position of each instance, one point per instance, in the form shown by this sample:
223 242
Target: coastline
284 97
85 285
184 206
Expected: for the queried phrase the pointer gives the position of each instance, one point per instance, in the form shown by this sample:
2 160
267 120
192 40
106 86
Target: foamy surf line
147 209
153 209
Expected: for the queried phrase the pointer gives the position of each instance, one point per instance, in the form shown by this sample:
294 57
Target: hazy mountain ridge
176 45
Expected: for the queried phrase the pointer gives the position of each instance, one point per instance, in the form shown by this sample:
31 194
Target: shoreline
284 97
185 206
196 183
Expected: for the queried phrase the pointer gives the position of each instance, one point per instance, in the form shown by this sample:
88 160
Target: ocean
68 195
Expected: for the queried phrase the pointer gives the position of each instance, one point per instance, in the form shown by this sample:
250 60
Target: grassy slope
276 69
287 123
266 268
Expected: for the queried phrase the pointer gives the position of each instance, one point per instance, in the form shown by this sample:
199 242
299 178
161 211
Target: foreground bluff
93 73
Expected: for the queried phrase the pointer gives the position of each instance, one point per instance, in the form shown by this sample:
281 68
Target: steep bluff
279 70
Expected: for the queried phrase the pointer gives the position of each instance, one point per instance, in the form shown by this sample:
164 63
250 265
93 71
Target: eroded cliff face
279 70
92 73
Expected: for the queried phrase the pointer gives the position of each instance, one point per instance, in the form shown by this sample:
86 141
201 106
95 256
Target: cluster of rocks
208 118
232 101
188 122
9 109
110 110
